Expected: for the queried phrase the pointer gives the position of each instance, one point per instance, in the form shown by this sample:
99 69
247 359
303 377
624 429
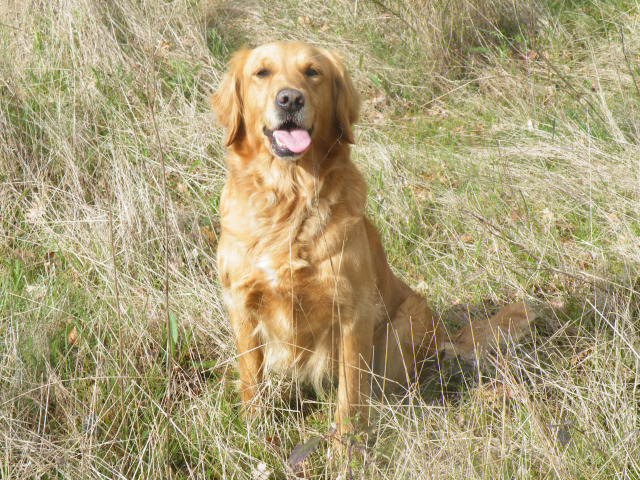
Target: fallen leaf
381 100
548 216
48 258
35 214
496 392
260 472
210 235
437 110
581 357
164 45
515 214
150 356
380 118
529 55
613 217
301 451
188 381
556 303
477 130
36 291
467 239
72 335
563 437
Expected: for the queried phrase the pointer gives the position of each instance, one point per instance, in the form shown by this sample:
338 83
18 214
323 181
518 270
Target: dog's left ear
227 101
346 98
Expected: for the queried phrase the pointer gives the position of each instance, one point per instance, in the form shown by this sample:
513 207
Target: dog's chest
285 248
286 264
297 327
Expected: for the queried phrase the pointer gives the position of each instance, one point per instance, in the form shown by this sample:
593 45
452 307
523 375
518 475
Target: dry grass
512 177
448 33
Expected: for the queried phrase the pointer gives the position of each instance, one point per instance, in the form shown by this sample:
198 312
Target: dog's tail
508 325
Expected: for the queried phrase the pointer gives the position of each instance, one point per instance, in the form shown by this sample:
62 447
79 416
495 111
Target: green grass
493 175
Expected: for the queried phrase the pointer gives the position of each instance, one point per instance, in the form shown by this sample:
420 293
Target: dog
303 271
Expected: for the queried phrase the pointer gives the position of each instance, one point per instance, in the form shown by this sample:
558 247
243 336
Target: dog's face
286 98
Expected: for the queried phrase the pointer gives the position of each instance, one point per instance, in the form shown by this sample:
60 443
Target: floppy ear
346 99
227 101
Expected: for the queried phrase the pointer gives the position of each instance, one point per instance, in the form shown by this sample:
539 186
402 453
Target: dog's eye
311 72
263 73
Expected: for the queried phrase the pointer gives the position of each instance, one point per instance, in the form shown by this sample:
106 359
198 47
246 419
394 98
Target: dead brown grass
512 181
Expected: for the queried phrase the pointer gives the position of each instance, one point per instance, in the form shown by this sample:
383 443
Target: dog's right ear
227 101
345 96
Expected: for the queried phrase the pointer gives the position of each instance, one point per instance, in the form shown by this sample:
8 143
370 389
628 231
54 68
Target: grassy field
502 148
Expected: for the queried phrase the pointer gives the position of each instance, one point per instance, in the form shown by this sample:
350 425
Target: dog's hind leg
509 324
401 346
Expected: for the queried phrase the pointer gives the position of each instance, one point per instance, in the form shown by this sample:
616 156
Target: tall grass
500 142
447 34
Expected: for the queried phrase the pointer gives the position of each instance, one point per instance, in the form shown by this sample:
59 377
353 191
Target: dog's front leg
250 359
354 353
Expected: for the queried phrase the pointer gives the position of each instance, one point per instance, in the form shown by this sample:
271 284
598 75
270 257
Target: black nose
290 100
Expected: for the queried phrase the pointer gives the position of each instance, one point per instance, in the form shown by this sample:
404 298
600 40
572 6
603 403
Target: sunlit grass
502 168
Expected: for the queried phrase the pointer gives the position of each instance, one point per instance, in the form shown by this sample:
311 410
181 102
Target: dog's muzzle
290 138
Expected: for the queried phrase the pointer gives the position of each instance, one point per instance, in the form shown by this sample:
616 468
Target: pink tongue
296 140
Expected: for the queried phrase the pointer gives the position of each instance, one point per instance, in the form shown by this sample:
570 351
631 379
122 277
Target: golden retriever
303 271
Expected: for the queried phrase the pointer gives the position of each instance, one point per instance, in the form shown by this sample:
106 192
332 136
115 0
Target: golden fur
303 271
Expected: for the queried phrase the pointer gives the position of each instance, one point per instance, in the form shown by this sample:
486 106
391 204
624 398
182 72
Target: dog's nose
290 100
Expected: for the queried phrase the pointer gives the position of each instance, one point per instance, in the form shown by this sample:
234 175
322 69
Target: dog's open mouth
289 139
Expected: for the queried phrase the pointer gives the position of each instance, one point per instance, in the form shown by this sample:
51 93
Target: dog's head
286 98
